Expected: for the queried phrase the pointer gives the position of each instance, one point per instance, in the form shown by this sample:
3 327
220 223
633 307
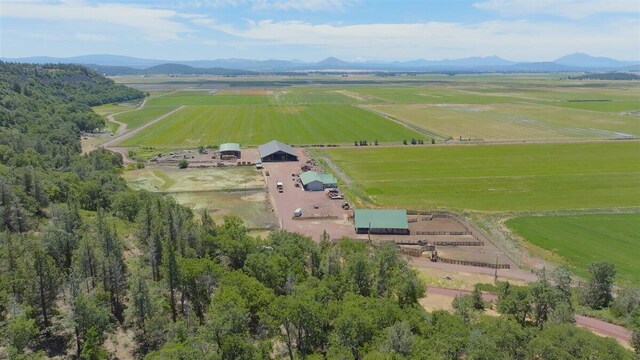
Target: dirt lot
209 159
313 221
222 191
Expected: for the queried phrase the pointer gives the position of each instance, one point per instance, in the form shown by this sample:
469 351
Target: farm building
276 151
381 222
315 181
230 149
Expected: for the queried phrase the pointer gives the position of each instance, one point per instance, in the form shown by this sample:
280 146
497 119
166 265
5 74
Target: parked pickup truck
280 186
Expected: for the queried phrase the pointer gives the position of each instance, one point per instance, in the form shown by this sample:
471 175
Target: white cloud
155 24
301 5
573 9
283 5
518 40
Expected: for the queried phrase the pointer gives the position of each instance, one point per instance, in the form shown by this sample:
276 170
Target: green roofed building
315 181
230 149
381 222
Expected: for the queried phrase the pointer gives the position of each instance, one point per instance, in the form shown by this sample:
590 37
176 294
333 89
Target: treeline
83 258
606 76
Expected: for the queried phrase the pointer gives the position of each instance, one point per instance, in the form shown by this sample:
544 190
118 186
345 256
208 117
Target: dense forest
83 258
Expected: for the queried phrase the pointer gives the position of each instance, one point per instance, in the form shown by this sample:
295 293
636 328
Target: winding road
597 326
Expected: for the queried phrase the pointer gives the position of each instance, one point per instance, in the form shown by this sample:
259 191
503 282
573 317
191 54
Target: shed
276 151
314 181
230 149
381 221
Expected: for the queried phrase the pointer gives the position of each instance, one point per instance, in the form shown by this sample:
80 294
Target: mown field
583 239
257 124
513 121
496 178
139 117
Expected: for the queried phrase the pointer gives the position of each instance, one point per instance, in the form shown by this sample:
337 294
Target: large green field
257 124
325 110
495 177
139 117
583 239
513 121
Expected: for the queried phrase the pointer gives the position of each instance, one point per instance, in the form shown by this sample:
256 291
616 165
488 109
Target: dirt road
597 326
110 145
503 274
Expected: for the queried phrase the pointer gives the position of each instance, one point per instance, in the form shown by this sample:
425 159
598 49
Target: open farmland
496 177
513 121
256 124
583 239
139 117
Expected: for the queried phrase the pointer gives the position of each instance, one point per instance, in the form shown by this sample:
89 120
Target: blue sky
310 30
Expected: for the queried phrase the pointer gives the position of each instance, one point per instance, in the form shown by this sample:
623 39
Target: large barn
230 149
381 222
315 181
277 151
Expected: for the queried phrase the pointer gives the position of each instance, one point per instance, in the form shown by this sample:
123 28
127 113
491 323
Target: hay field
583 239
513 121
496 178
257 124
136 118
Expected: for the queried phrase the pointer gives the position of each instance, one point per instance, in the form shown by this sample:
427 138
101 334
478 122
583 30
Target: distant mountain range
126 65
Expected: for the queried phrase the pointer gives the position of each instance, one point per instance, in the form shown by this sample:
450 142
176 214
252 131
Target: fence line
473 263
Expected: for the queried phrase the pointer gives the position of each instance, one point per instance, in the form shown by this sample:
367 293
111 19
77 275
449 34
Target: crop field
583 239
513 121
497 178
339 110
139 117
257 124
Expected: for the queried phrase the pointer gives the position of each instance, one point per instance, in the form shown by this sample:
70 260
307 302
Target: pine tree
45 283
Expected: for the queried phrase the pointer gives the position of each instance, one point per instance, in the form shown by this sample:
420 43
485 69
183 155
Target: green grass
496 177
204 98
108 109
513 121
257 124
136 118
583 239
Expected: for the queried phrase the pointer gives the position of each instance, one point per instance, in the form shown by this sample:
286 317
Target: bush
183 164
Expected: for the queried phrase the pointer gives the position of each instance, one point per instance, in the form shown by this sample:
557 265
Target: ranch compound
276 151
369 221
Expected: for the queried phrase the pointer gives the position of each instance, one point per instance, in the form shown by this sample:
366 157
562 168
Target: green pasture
513 121
257 124
108 109
201 98
495 177
139 117
583 239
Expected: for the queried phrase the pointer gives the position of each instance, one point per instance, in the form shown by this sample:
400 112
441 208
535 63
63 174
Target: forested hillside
84 261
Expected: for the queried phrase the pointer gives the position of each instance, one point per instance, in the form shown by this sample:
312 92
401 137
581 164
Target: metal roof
381 219
230 147
311 176
273 147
